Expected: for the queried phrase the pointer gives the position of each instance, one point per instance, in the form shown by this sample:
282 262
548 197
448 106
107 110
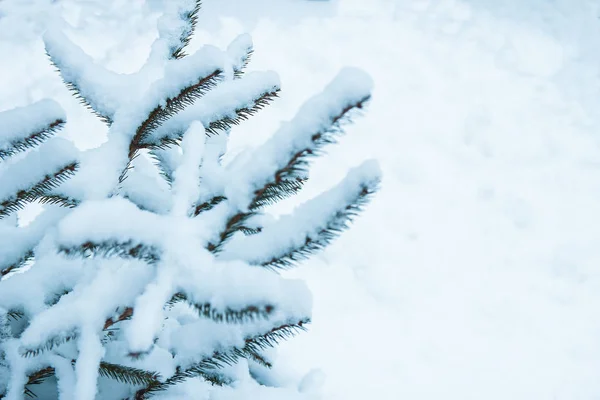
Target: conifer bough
152 271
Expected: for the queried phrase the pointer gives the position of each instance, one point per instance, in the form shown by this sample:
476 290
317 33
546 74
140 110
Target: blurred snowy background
475 274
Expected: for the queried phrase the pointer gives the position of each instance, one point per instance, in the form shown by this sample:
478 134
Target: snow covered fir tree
153 270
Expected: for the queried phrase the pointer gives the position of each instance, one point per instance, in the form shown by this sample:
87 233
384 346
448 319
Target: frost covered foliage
153 270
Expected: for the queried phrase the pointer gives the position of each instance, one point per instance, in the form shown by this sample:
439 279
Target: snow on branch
17 263
208 205
144 187
108 249
50 343
120 373
36 378
186 96
238 222
228 315
87 307
230 103
87 365
243 113
114 220
187 175
154 280
128 375
209 366
57 199
229 291
23 128
311 227
36 174
166 160
47 279
235 286
177 25
23 240
148 311
279 167
240 51
94 86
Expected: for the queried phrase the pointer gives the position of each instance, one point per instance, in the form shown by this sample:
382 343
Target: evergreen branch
125 315
113 248
128 375
56 199
288 180
15 315
120 373
65 337
50 344
207 367
228 315
258 358
163 167
128 167
38 377
208 205
212 377
337 223
56 297
173 105
35 379
242 114
238 72
216 126
34 139
191 19
165 142
76 92
233 225
275 336
20 263
18 201
246 230
275 191
160 114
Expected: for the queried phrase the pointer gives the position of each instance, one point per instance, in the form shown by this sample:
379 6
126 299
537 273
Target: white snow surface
474 273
